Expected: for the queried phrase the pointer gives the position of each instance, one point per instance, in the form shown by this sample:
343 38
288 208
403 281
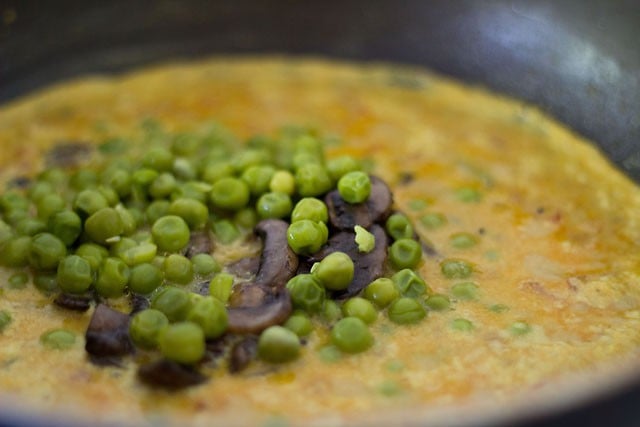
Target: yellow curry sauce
556 227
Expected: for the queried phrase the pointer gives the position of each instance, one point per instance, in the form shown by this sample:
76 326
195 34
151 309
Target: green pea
104 226
182 342
405 253
310 208
215 171
145 278
113 277
14 200
66 225
465 290
354 187
365 240
170 233
174 302
250 157
158 158
519 328
300 324
138 254
406 311
144 177
184 169
13 216
278 345
39 189
433 220
381 292
58 339
45 282
119 248
273 205
185 144
351 335
211 315
156 210
331 311
456 268
145 327
88 202
74 274
462 325
438 302
178 269
409 283
418 204
220 286
340 166
83 179
109 194
30 227
399 227
204 265
55 176
329 354
225 231
361 308
306 293
335 271
18 280
303 158
129 224
463 240
119 180
247 218
15 252
499 308
5 319
230 194
468 195
306 237
6 233
162 186
46 251
258 178
195 213
312 180
283 181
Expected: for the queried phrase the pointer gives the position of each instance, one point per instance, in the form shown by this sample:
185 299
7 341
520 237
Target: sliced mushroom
68 154
242 353
108 333
73 302
200 243
345 216
274 309
138 303
169 375
278 262
245 268
368 266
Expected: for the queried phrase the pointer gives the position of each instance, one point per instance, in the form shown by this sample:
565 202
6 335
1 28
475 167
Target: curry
529 247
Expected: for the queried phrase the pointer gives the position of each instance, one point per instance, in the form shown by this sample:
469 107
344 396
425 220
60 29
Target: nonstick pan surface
577 59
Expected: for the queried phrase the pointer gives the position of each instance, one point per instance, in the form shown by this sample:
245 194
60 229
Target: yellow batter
556 224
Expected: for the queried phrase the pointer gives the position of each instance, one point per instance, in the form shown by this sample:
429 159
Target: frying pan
579 60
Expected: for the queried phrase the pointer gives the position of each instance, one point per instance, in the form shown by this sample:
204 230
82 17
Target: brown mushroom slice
68 154
199 243
242 353
108 333
368 266
245 268
278 263
274 310
73 302
170 375
139 302
376 208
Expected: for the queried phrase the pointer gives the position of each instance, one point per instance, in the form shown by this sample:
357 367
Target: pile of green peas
121 223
